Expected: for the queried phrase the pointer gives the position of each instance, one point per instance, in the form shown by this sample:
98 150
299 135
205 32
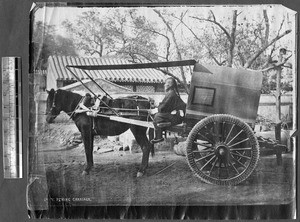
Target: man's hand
153 111
181 113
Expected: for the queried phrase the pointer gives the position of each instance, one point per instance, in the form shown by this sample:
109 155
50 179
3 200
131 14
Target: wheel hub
222 151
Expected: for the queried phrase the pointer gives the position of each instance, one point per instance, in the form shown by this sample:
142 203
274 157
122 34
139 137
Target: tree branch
269 57
257 54
267 24
179 57
242 58
230 36
208 49
216 23
277 65
166 37
152 30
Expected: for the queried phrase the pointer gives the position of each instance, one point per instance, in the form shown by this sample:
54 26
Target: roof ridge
88 58
57 70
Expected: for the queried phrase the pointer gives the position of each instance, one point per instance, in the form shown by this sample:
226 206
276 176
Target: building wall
40 80
143 87
267 107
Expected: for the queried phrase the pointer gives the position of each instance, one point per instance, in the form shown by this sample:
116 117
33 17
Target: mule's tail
152 150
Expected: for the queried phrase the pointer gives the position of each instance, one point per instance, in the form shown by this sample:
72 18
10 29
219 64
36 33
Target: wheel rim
222 150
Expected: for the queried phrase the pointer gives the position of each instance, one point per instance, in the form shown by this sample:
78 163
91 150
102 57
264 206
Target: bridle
53 107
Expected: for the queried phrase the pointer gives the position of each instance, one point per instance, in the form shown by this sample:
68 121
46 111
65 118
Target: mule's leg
88 141
141 138
88 147
151 137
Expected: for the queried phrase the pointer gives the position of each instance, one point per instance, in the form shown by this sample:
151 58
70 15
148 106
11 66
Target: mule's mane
67 99
67 92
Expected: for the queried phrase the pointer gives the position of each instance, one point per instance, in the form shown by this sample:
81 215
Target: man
171 109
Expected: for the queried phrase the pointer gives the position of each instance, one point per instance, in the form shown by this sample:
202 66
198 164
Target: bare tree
177 50
230 34
239 45
141 24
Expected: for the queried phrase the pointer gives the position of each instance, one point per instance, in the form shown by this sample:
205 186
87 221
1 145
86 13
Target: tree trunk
232 39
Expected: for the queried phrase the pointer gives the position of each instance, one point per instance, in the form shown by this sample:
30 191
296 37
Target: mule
66 101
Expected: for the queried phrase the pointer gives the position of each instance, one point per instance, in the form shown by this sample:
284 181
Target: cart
220 116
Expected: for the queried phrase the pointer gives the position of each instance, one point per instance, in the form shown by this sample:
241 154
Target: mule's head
88 100
53 109
151 102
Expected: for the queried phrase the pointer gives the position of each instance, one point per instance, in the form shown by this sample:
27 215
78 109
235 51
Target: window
203 96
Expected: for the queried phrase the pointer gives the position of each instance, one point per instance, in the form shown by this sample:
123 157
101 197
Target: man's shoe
156 140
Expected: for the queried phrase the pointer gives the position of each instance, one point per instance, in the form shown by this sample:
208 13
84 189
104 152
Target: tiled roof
57 68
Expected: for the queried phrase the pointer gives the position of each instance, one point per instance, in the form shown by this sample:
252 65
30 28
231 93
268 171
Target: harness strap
54 99
68 67
94 125
82 98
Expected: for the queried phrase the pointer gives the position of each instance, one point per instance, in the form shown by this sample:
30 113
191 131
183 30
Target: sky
55 15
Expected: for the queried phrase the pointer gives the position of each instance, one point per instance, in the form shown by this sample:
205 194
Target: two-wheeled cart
222 105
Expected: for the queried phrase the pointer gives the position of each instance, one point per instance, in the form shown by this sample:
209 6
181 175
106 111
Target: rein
54 106
72 113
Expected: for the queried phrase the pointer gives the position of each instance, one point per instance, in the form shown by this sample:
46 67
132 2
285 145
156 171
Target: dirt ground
168 180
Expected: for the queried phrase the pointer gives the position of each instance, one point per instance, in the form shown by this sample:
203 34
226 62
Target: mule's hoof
139 174
85 173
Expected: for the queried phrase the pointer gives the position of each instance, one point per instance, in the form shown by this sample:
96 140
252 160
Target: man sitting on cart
170 110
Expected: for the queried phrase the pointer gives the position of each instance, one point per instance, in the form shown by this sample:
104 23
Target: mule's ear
51 91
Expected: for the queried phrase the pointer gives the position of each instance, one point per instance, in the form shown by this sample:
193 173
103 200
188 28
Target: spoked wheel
222 149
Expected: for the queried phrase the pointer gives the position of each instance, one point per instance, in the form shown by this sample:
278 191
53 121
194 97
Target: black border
14 41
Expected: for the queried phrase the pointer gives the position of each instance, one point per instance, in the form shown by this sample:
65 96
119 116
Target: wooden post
278 105
282 52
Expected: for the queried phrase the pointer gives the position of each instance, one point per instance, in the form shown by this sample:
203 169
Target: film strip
12 117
